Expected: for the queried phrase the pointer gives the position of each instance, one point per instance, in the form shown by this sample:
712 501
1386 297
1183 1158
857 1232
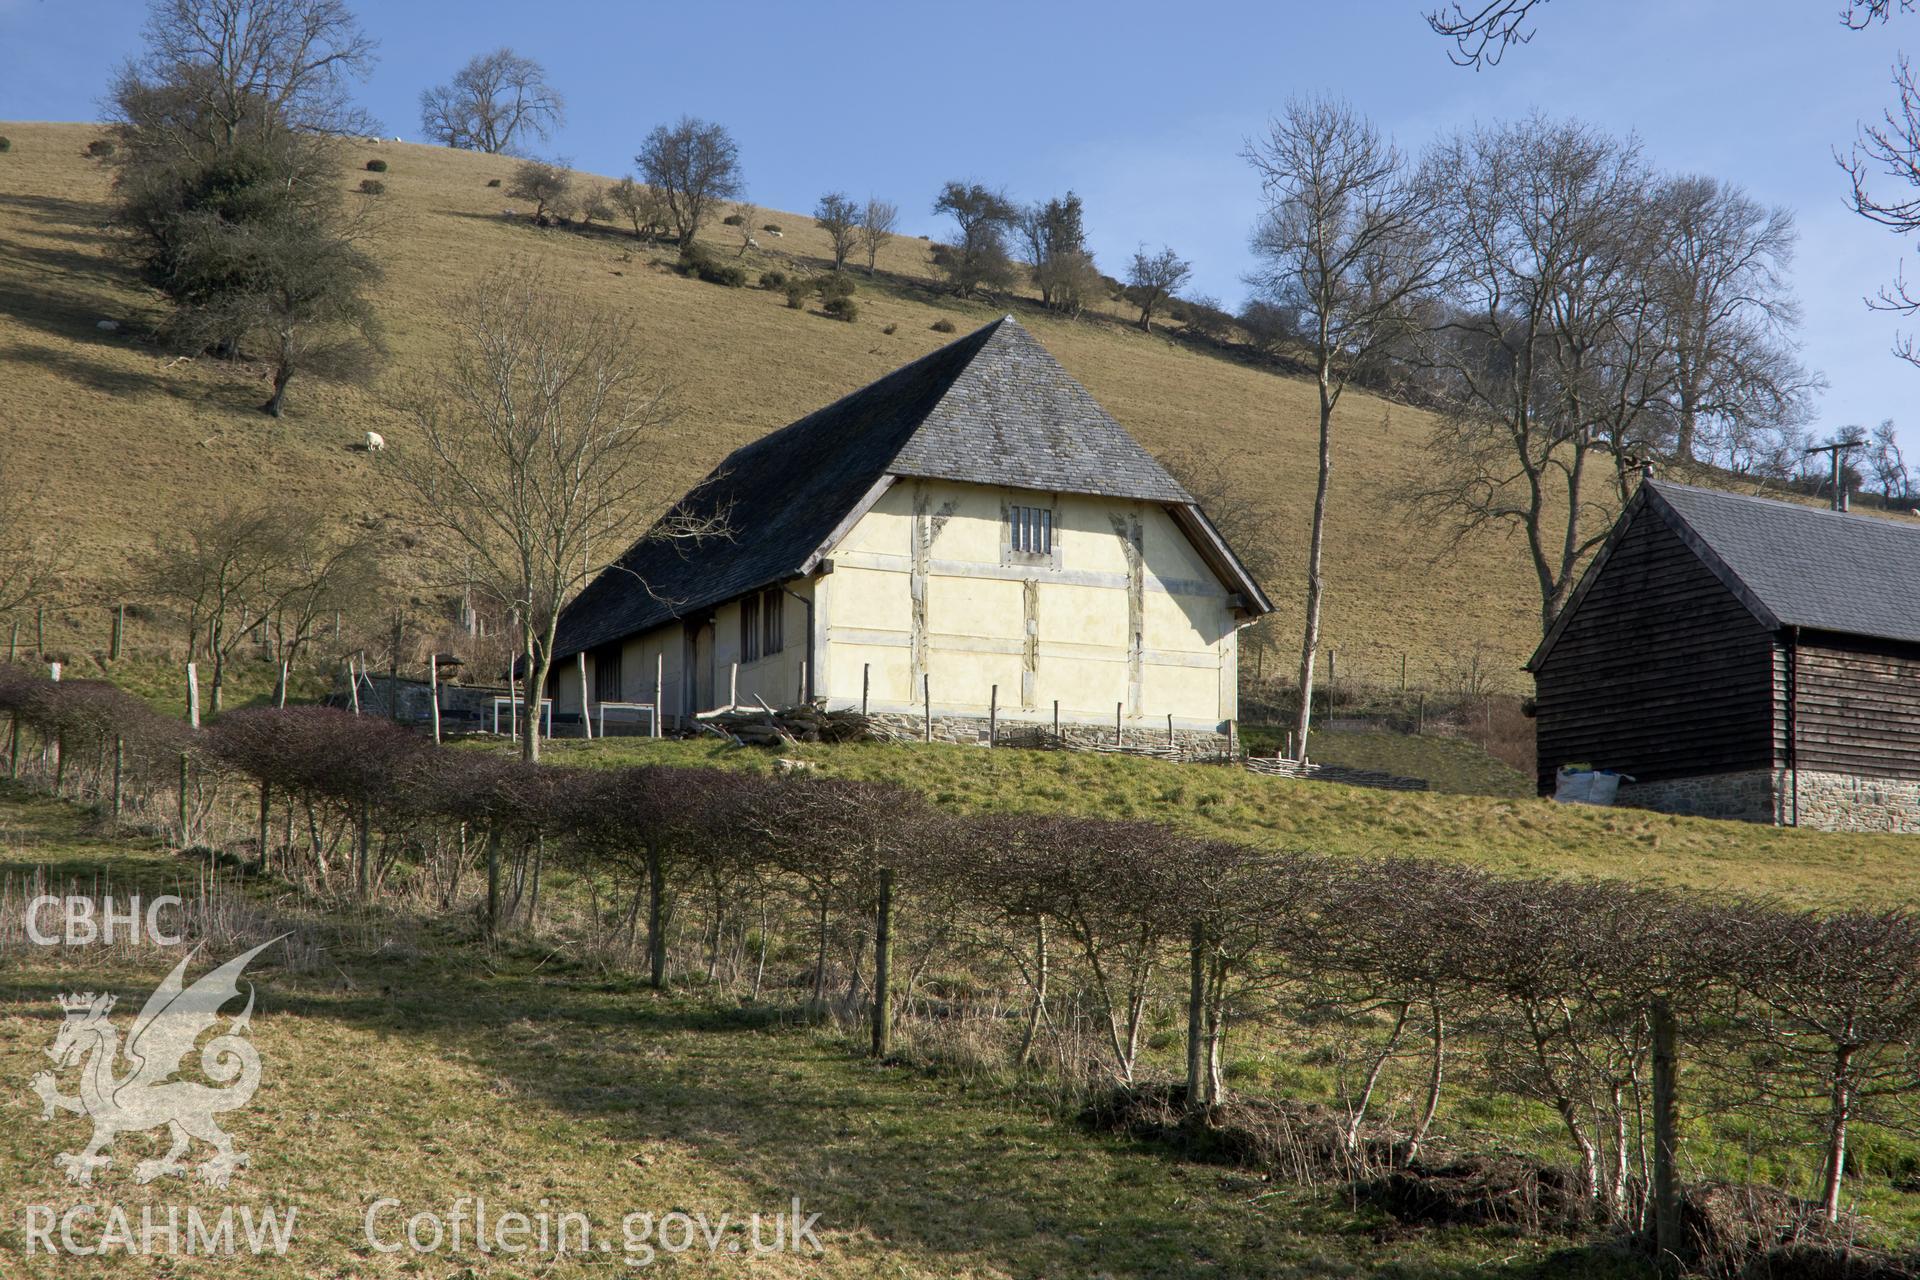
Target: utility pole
1834 450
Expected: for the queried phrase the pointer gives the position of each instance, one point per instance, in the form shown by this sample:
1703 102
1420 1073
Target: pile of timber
763 726
1281 767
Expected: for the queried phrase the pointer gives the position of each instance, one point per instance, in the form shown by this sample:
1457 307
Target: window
773 629
750 629
1030 531
606 674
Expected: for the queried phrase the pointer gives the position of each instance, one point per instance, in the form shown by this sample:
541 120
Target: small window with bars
750 629
1030 532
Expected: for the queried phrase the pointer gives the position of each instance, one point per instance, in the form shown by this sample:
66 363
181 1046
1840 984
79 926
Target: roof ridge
1860 517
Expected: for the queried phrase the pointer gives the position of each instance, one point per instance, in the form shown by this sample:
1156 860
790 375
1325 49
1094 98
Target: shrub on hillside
773 227
835 284
696 261
943 325
890 330
842 307
734 220
6 143
493 182
101 148
372 187
797 291
774 280
376 166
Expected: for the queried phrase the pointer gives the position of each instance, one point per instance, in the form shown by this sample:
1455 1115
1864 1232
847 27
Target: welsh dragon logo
144 1094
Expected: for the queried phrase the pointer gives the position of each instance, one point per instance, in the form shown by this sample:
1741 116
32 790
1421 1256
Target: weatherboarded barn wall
1662 673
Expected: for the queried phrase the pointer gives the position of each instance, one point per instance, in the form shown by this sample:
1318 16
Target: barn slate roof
1791 565
992 408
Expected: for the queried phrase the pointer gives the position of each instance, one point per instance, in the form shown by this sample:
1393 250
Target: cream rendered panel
975 614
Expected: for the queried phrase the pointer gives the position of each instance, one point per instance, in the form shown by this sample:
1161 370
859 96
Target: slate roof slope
1791 565
992 408
1806 566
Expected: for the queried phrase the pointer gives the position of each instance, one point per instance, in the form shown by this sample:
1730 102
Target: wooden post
353 684
866 684
659 689
1421 726
803 682
1169 728
1116 722
433 687
733 686
53 672
119 631
193 699
586 706
1056 722
1403 672
1333 680
926 698
1666 1138
993 715
883 967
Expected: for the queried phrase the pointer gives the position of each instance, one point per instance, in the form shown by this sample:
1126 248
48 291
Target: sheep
752 243
375 442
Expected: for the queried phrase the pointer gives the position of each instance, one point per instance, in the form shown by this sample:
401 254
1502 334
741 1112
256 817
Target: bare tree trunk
1839 1114
1310 635
820 957
1666 1138
1196 1015
1038 1010
1358 1114
266 816
493 883
1434 1079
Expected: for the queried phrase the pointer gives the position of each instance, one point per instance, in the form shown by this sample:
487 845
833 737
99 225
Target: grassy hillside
125 437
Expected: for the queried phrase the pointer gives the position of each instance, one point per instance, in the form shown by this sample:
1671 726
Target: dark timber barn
1743 658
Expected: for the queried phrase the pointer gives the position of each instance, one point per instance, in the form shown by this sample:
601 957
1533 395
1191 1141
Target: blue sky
1141 108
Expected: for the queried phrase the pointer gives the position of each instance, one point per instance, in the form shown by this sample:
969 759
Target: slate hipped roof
1791 565
993 408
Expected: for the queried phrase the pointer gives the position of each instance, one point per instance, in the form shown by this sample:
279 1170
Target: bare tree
1053 235
978 259
1153 277
536 453
319 572
216 70
877 222
1890 470
494 102
1344 242
1541 352
644 207
694 165
549 186
214 570
744 216
839 217
1726 315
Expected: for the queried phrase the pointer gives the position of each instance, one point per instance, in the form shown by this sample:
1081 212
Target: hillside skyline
1155 165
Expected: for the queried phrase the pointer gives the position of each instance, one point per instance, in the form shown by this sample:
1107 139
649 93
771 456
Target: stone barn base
1824 801
1018 732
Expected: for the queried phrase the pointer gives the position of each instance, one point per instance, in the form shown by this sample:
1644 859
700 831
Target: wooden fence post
733 686
993 716
1116 722
1169 728
883 967
659 690
1056 722
119 631
866 684
1666 1138
193 699
433 687
926 698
